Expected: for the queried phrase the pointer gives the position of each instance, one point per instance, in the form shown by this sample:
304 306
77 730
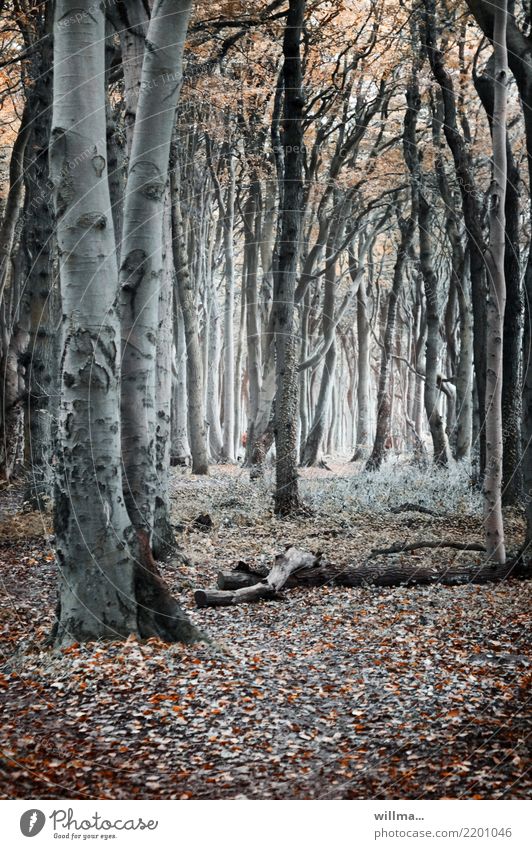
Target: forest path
327 693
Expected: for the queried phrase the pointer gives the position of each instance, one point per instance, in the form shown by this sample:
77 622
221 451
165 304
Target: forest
265 398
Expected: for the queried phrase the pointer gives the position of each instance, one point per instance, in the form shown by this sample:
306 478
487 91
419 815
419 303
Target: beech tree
281 231
497 295
142 254
518 45
286 489
109 584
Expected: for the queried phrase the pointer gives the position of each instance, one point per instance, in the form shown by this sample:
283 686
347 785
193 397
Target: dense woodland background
265 274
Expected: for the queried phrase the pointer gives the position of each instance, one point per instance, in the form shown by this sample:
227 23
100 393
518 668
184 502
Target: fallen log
286 564
404 548
236 580
299 568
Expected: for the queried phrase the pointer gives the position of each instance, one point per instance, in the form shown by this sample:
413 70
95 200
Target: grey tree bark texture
512 406
12 343
109 587
194 366
493 519
363 421
471 209
141 253
407 227
38 242
180 454
519 47
430 279
311 448
163 542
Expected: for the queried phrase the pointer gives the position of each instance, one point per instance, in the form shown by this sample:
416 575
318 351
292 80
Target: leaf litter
327 693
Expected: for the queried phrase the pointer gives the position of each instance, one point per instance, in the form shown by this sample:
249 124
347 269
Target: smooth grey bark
519 50
163 541
109 586
436 424
131 21
426 260
363 421
464 372
239 373
213 384
38 244
226 210
267 246
229 310
461 285
186 295
141 252
261 441
316 432
13 339
263 426
304 412
471 208
512 406
14 197
407 228
252 221
181 453
493 518
384 400
115 146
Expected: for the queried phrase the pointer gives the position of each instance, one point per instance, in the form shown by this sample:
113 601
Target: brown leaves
332 693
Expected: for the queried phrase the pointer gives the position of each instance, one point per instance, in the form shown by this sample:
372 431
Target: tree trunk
436 424
310 452
262 434
301 568
132 27
253 334
430 280
286 488
163 535
519 49
141 252
494 525
37 244
213 383
12 390
109 587
464 374
382 430
363 422
180 444
14 196
512 485
194 365
229 310
472 213
115 146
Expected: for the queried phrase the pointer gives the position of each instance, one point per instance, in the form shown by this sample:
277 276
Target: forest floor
327 693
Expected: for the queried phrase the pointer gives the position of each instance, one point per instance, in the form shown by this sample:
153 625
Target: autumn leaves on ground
326 693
